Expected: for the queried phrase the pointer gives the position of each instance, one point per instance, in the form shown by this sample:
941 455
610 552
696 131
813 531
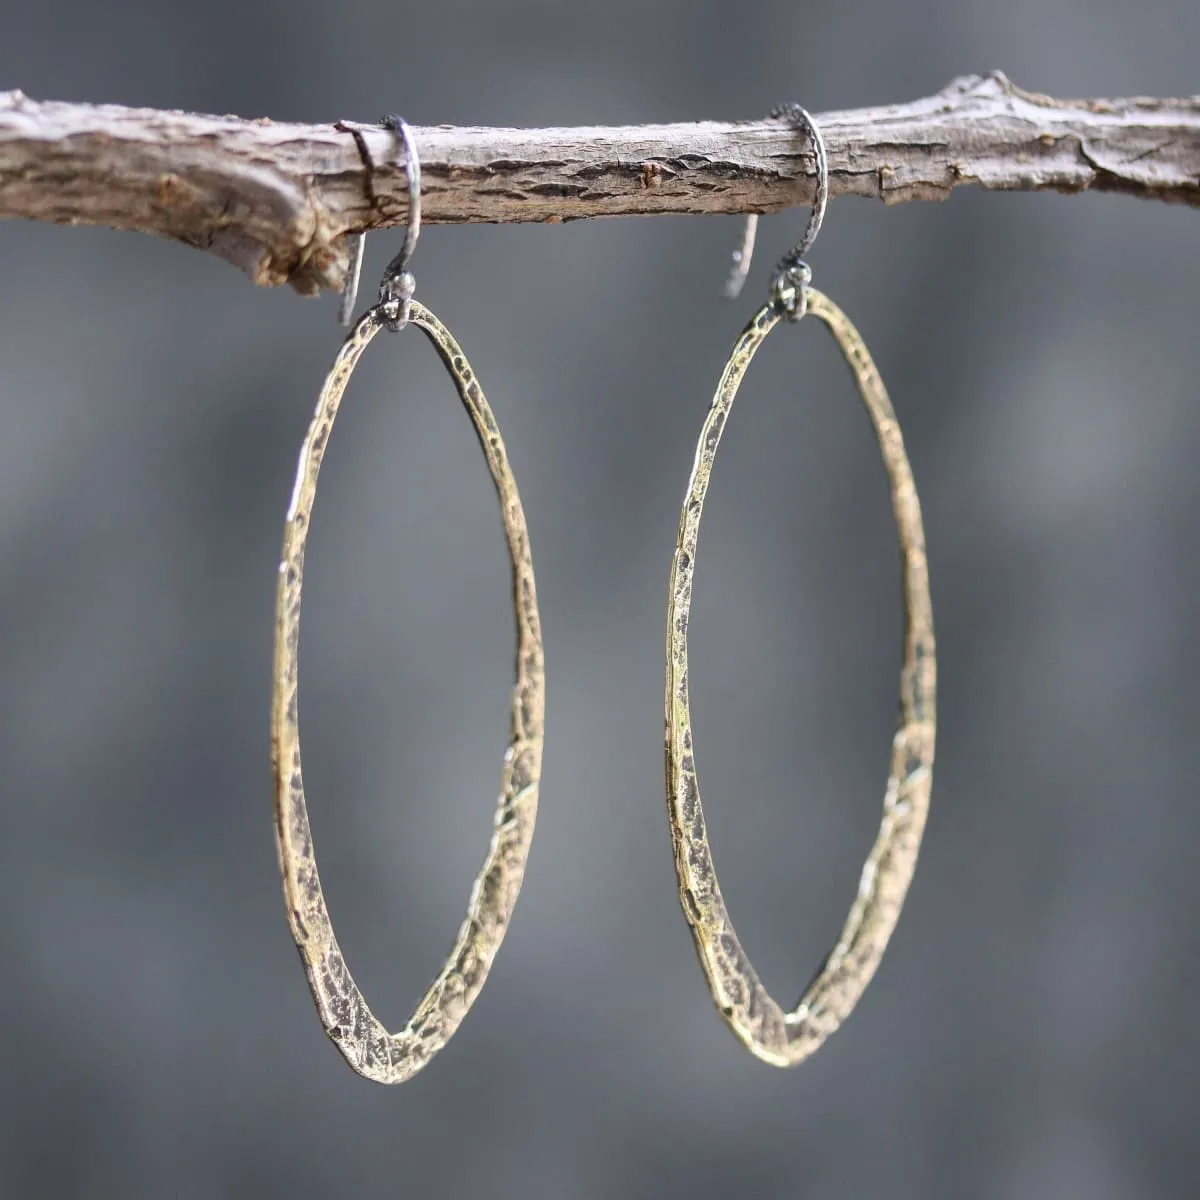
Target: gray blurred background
1031 1032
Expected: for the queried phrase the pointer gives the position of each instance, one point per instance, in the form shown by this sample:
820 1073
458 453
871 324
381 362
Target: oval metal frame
366 1044
787 1038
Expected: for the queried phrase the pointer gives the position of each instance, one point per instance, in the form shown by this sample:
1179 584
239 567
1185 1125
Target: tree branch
276 199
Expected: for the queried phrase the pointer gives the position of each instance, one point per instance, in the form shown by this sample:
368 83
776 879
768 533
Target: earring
778 1037
364 1042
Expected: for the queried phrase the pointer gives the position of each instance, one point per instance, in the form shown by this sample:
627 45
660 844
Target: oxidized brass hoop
787 1038
366 1044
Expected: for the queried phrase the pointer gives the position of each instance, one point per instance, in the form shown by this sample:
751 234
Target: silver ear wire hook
741 259
358 243
792 275
398 285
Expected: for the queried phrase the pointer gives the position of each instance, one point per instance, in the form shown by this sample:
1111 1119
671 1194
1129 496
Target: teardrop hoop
366 1044
778 1037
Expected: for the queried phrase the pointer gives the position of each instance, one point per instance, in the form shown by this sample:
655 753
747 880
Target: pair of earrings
779 1037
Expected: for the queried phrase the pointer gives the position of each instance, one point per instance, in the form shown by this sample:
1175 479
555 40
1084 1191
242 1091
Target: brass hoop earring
778 1037
364 1042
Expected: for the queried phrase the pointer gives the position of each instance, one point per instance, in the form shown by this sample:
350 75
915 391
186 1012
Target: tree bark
277 199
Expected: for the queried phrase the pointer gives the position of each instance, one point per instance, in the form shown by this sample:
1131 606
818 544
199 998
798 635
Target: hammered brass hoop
787 1038
366 1044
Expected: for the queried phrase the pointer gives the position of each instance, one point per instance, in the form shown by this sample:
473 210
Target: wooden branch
276 199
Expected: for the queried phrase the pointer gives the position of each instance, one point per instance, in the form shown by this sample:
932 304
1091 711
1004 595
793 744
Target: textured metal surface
367 1046
778 1037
